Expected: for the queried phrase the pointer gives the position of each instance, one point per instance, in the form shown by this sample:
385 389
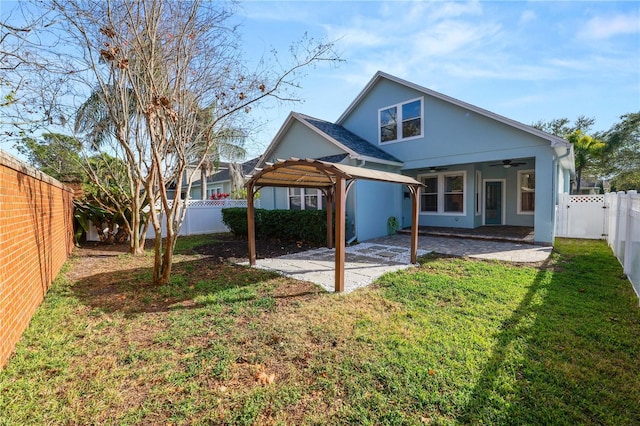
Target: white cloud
604 27
449 37
527 16
440 10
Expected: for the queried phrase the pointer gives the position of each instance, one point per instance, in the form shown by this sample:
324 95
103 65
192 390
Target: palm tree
213 145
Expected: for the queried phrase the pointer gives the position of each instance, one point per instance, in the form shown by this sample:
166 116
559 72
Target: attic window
401 121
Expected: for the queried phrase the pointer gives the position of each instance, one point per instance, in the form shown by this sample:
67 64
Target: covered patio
334 180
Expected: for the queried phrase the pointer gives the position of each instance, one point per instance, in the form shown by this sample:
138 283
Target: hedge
291 225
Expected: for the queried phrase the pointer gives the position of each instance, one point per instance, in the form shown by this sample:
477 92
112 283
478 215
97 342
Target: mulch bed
232 248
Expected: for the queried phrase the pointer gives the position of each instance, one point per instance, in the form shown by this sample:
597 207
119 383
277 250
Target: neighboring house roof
223 175
353 145
555 141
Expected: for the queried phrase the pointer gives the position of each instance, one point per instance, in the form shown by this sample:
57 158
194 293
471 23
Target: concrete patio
366 261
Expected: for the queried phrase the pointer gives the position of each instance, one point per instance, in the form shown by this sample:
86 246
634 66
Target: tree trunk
578 179
203 182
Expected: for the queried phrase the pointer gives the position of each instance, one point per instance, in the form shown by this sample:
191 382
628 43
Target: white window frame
441 186
399 120
302 196
520 173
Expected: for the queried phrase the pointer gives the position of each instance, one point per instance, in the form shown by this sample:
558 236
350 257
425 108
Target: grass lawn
454 341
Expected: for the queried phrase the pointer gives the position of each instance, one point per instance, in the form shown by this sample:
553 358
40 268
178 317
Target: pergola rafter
334 180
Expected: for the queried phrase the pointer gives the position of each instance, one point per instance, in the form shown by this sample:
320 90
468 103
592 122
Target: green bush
291 225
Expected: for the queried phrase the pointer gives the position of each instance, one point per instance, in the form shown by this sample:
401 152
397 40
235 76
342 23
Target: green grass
454 341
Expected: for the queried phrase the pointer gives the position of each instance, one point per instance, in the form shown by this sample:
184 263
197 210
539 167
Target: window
526 191
443 193
402 121
454 193
429 195
306 199
388 124
213 191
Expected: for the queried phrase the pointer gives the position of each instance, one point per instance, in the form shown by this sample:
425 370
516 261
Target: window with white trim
526 191
306 199
401 121
444 193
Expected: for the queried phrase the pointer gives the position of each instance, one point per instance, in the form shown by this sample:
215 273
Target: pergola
334 180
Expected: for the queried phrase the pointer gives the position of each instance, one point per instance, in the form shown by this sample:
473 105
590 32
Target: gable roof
554 140
223 175
353 145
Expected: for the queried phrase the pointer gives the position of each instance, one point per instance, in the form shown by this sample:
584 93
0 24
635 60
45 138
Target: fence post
619 216
628 242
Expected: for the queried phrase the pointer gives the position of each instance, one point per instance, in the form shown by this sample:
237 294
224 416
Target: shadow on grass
567 353
193 284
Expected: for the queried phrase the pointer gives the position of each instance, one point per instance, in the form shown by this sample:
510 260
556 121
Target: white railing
202 217
623 232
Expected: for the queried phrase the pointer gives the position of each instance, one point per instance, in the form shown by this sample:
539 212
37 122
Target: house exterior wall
302 142
375 202
453 135
36 237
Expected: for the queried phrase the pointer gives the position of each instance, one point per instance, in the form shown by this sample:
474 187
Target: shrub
291 225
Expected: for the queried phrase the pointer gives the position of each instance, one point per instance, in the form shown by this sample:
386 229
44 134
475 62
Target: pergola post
251 225
329 198
340 196
415 191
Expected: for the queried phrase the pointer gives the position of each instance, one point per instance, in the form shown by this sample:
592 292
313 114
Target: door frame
503 219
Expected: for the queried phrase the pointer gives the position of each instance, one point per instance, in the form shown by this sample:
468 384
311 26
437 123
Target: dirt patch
105 276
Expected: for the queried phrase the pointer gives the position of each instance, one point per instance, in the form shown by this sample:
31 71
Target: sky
528 61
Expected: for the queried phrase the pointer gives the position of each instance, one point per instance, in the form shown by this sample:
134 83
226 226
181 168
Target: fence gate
582 216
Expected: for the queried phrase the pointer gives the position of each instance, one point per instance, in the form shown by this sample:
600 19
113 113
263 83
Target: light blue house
479 168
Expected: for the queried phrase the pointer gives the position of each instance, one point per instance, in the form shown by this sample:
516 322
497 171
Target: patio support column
340 196
415 191
251 225
329 197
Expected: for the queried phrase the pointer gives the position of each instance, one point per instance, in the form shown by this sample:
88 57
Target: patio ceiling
334 180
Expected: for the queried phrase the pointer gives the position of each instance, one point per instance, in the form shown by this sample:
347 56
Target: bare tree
155 65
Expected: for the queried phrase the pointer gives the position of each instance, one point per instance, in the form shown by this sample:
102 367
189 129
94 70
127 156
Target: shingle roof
333 158
350 140
223 175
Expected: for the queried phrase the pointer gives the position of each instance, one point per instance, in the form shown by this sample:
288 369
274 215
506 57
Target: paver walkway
366 261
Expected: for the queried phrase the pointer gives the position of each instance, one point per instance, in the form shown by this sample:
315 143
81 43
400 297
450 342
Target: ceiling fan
436 169
507 163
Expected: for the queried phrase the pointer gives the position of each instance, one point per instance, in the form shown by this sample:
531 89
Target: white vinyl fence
202 217
614 217
624 233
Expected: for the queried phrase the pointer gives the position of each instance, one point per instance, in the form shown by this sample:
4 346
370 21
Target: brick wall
36 236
